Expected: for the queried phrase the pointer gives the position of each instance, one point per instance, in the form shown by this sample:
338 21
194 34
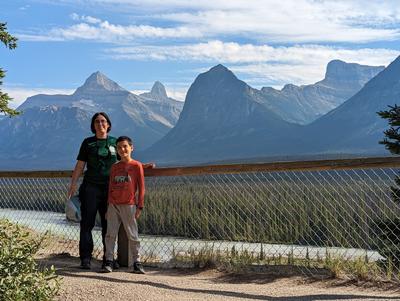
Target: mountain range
51 128
304 104
353 128
222 119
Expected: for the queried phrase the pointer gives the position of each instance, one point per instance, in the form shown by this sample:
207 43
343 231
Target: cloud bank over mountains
265 42
274 41
272 20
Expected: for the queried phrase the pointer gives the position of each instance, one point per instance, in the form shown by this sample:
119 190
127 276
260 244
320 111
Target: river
164 247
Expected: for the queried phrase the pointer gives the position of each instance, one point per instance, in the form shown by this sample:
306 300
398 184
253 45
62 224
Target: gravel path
181 284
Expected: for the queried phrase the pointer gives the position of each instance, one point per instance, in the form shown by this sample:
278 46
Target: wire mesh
337 220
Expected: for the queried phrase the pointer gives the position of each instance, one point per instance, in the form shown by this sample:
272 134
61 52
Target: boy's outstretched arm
149 165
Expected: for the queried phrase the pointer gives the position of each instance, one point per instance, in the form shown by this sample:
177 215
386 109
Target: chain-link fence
340 216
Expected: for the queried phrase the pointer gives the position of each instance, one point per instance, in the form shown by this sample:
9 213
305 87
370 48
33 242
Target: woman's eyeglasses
100 121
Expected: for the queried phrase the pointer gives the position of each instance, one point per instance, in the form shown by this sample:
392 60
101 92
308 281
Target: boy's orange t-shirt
126 178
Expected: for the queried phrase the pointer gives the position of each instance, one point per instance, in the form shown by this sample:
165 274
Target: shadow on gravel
225 293
376 285
268 274
68 266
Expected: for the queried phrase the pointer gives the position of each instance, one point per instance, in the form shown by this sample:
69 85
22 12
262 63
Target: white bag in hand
73 209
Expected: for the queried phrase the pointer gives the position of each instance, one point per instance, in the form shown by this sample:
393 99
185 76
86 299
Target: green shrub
20 276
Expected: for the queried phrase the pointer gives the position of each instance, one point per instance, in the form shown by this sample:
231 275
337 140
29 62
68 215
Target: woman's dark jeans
93 198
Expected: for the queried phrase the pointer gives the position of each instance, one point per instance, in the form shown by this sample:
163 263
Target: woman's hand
78 170
71 190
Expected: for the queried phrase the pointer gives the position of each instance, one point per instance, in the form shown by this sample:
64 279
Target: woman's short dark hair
94 118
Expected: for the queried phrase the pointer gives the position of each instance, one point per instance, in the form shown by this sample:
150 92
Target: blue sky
265 43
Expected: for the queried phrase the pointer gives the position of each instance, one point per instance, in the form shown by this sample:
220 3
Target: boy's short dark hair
94 118
124 138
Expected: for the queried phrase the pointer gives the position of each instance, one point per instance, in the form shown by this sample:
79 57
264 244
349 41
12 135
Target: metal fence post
123 245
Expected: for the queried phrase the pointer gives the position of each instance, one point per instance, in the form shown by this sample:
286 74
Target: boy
126 178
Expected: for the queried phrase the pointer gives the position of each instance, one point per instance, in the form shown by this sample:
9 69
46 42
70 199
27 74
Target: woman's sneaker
85 264
138 268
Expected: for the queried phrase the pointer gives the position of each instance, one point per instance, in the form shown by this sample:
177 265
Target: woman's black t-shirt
99 155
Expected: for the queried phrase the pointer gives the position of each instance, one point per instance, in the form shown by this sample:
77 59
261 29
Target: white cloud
33 37
291 21
177 93
308 65
278 75
295 21
381 8
20 94
275 65
210 51
265 24
268 20
88 19
219 51
25 7
94 29
174 90
75 17
137 92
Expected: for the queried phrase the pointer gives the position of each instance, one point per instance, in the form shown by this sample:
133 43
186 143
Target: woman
97 153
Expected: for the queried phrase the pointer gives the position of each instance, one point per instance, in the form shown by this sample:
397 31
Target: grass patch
358 269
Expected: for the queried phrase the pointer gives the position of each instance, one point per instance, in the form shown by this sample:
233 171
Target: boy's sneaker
138 268
115 265
107 266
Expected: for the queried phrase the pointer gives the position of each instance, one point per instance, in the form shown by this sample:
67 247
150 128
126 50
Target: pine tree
388 230
392 140
11 43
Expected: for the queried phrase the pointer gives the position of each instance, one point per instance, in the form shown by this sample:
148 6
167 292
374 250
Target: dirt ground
189 284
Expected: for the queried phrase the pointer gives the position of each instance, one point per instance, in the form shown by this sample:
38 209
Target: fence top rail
319 165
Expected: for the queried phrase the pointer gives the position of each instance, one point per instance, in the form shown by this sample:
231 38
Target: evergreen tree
388 230
10 42
392 140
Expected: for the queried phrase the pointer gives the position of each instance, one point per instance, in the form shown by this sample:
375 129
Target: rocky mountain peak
97 81
157 93
219 70
216 77
338 70
219 67
289 88
219 80
218 99
158 90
